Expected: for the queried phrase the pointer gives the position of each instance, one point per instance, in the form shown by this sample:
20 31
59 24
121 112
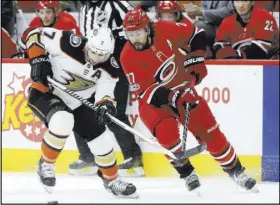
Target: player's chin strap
179 157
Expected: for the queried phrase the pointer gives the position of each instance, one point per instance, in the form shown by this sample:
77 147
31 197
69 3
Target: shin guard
60 127
105 158
204 126
168 135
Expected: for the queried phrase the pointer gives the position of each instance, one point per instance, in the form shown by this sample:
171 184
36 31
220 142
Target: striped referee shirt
108 14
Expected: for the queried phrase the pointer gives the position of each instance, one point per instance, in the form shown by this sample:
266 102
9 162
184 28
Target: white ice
25 188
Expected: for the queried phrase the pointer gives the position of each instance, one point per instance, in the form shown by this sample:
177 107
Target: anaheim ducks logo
76 83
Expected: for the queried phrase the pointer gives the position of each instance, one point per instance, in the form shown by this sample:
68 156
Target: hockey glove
40 69
106 105
179 97
194 66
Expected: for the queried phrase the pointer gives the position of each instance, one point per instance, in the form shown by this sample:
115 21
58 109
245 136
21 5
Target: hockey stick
185 127
179 157
201 147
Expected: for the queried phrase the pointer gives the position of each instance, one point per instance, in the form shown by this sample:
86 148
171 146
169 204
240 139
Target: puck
53 202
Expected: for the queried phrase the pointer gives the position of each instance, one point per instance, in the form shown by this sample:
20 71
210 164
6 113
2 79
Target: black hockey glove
40 69
106 105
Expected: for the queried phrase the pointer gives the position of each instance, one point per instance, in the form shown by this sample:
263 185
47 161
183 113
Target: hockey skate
244 181
192 182
80 167
46 175
131 167
121 188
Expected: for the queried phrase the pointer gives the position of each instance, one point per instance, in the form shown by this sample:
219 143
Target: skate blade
132 172
49 189
197 191
87 171
254 189
132 196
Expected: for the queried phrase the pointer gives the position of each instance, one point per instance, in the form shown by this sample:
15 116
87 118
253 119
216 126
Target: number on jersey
268 25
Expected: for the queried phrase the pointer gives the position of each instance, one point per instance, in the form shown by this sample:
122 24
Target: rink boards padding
270 159
243 95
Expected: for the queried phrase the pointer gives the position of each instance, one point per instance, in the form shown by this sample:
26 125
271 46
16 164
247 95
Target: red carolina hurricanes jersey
8 45
261 30
162 63
64 21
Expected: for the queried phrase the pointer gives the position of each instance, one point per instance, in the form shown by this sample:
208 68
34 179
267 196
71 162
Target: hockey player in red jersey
251 33
160 60
171 11
49 16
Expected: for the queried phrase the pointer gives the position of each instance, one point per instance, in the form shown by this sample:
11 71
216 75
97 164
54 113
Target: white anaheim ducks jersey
69 67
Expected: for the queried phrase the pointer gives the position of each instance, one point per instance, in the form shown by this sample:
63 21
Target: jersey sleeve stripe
222 43
261 46
269 43
241 42
196 31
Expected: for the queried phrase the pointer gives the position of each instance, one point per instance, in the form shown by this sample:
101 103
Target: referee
110 14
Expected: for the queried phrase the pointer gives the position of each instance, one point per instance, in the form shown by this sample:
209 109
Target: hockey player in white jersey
73 61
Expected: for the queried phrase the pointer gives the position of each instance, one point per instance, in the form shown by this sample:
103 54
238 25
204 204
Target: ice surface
26 188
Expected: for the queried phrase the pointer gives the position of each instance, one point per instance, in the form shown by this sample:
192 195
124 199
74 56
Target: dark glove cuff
160 97
197 77
40 69
193 61
39 59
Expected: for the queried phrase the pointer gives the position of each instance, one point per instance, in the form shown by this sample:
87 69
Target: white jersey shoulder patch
75 40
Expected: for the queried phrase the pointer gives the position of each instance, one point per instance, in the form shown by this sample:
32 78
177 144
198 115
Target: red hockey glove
179 97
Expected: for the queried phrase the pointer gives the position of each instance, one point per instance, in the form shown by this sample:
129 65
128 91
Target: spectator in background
170 11
49 16
267 5
69 6
251 33
8 46
148 5
8 16
173 11
209 16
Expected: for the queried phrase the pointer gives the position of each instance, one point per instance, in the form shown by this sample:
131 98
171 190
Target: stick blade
182 156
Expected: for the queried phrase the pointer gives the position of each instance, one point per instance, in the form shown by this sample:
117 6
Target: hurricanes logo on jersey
166 71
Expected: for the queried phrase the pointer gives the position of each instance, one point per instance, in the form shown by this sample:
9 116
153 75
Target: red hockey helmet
135 19
43 4
169 6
